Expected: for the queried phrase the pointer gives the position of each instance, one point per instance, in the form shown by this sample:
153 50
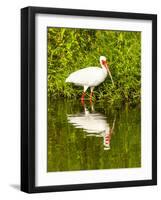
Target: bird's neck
104 69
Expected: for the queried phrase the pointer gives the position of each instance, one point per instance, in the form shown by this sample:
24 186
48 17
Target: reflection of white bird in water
93 123
90 76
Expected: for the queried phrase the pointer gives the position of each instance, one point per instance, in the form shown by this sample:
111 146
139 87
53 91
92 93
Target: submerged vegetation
71 49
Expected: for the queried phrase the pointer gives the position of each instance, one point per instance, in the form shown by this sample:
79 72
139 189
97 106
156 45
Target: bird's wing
91 123
86 76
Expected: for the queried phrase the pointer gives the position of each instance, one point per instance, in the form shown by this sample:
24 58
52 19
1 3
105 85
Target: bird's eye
103 62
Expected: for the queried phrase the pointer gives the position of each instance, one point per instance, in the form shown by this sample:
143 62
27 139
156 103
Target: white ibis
93 124
90 77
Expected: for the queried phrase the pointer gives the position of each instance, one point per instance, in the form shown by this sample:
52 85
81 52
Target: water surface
93 136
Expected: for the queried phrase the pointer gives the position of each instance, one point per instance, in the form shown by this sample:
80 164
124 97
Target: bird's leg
91 94
83 95
92 107
82 98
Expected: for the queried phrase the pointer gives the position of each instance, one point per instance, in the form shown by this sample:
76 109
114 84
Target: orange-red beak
105 63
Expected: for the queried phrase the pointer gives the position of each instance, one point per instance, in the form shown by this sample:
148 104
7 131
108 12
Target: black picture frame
28 98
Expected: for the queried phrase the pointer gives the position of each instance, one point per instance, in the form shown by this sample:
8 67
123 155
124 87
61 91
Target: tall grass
72 49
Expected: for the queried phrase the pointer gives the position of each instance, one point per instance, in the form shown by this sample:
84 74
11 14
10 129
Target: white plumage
90 76
94 124
89 122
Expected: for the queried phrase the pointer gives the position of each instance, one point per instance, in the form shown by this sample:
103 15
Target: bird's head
103 62
105 65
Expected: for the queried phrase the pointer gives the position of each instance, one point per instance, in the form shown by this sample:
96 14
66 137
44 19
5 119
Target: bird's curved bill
109 74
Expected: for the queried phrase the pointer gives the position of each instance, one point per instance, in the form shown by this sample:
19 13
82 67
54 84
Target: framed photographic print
88 99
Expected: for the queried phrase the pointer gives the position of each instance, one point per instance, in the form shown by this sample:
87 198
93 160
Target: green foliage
73 49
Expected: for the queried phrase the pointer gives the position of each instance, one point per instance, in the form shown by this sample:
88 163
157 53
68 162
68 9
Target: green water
92 136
